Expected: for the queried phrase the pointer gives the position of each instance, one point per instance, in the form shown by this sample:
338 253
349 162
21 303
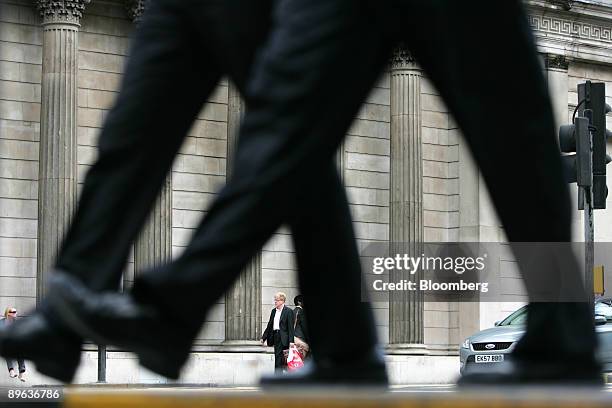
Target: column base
240 346
408 349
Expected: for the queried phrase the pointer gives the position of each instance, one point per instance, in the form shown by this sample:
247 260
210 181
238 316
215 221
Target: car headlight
466 344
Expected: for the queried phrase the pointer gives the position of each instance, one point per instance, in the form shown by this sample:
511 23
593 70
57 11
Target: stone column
154 244
340 159
57 175
406 196
243 300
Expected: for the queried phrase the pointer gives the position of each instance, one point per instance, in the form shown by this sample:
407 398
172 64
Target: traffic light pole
101 364
589 222
589 246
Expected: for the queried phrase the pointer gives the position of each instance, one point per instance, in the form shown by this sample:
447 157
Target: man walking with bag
279 332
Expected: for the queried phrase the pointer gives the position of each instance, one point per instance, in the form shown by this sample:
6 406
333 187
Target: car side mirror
599 320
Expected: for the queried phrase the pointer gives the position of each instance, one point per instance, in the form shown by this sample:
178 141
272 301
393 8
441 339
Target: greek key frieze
574 29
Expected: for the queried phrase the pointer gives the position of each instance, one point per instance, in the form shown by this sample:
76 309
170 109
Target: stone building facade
60 66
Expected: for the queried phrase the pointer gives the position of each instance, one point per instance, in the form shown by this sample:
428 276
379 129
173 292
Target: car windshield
517 318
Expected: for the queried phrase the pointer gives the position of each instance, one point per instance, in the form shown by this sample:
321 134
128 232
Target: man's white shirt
277 316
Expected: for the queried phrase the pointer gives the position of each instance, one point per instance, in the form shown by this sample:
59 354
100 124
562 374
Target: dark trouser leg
22 367
165 84
287 142
502 106
279 361
328 265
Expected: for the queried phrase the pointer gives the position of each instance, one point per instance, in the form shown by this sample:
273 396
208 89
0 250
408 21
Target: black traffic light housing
592 96
575 139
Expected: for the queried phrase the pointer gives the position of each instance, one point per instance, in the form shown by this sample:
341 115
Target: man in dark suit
180 51
279 332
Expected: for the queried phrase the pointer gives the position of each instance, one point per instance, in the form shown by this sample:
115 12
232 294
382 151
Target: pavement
398 396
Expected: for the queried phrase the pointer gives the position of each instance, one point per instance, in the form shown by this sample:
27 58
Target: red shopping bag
294 359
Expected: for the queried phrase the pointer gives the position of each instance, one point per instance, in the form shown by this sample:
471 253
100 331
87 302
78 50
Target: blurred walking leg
164 78
505 113
287 142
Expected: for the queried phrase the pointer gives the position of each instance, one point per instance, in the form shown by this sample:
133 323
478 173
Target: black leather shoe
368 372
531 373
55 352
117 319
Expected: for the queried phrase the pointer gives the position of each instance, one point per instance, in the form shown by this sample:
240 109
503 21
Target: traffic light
575 139
592 95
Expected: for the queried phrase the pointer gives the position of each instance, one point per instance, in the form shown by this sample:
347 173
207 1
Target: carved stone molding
402 58
571 28
583 33
135 8
61 11
553 61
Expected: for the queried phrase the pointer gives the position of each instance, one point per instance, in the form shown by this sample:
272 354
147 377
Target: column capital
61 11
135 8
556 61
402 58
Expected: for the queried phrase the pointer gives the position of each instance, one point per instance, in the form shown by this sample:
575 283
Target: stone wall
440 201
366 178
20 93
198 173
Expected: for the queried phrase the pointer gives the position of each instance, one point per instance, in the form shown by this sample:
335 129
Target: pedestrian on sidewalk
279 332
10 314
300 332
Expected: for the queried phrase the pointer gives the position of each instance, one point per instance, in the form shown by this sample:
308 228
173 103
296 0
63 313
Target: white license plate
490 358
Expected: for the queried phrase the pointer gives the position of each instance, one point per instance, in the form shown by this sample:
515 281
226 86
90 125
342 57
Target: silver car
491 346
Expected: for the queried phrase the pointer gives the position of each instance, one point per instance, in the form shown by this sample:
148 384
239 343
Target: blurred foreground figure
180 51
318 65
318 61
